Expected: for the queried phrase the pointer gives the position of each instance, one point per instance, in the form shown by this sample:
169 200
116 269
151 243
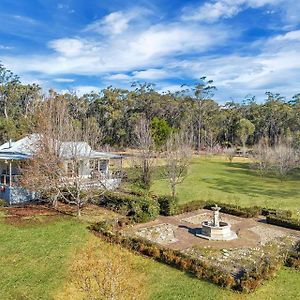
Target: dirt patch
30 221
163 234
30 210
34 214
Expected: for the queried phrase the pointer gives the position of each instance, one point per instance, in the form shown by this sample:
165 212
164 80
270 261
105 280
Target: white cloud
237 76
114 23
145 49
63 80
147 75
170 88
4 47
85 89
168 50
154 74
212 11
70 47
118 77
289 36
25 19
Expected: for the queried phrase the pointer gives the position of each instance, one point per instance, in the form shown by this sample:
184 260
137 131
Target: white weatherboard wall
16 195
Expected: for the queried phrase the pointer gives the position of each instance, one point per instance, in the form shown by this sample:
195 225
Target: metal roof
25 147
13 156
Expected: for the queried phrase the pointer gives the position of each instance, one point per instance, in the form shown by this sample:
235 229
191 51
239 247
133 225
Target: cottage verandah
93 167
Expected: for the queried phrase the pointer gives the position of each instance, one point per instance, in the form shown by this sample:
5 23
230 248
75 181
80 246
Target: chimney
9 143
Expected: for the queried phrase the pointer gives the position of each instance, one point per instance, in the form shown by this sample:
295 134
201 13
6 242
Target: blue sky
245 46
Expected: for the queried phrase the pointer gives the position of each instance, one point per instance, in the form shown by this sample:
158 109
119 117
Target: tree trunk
173 189
199 137
55 202
244 148
5 110
78 210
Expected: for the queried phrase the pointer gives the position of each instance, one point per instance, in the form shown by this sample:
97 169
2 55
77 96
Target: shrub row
247 282
169 206
263 270
138 208
276 212
283 222
245 212
168 256
293 259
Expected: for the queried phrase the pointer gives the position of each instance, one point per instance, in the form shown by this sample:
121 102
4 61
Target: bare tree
54 170
230 153
177 155
263 157
43 172
103 272
284 159
145 144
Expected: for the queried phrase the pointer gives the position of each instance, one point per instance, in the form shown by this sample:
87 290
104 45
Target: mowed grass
35 261
217 180
34 258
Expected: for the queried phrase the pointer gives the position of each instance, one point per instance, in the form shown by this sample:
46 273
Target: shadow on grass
245 180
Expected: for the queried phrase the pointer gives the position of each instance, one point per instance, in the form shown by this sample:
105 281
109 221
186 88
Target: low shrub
190 206
283 222
138 208
168 206
276 212
168 256
293 258
264 269
245 212
248 281
3 203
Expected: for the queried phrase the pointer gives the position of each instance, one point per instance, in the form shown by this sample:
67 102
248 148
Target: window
103 166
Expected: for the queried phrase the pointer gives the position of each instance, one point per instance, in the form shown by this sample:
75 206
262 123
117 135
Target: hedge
248 281
138 208
283 222
276 212
293 259
245 212
168 206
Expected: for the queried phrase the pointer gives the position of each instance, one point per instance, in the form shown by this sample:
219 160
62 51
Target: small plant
3 203
230 153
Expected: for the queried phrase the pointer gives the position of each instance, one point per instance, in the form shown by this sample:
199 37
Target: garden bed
240 264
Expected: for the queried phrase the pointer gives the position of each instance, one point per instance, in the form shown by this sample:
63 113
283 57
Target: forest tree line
117 111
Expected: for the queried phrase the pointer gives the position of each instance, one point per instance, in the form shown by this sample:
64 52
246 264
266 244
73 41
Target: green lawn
35 258
218 180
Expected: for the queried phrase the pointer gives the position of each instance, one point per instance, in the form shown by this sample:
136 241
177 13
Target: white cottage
91 165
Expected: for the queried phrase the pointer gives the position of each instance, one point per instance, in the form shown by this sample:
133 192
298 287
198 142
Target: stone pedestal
216 230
